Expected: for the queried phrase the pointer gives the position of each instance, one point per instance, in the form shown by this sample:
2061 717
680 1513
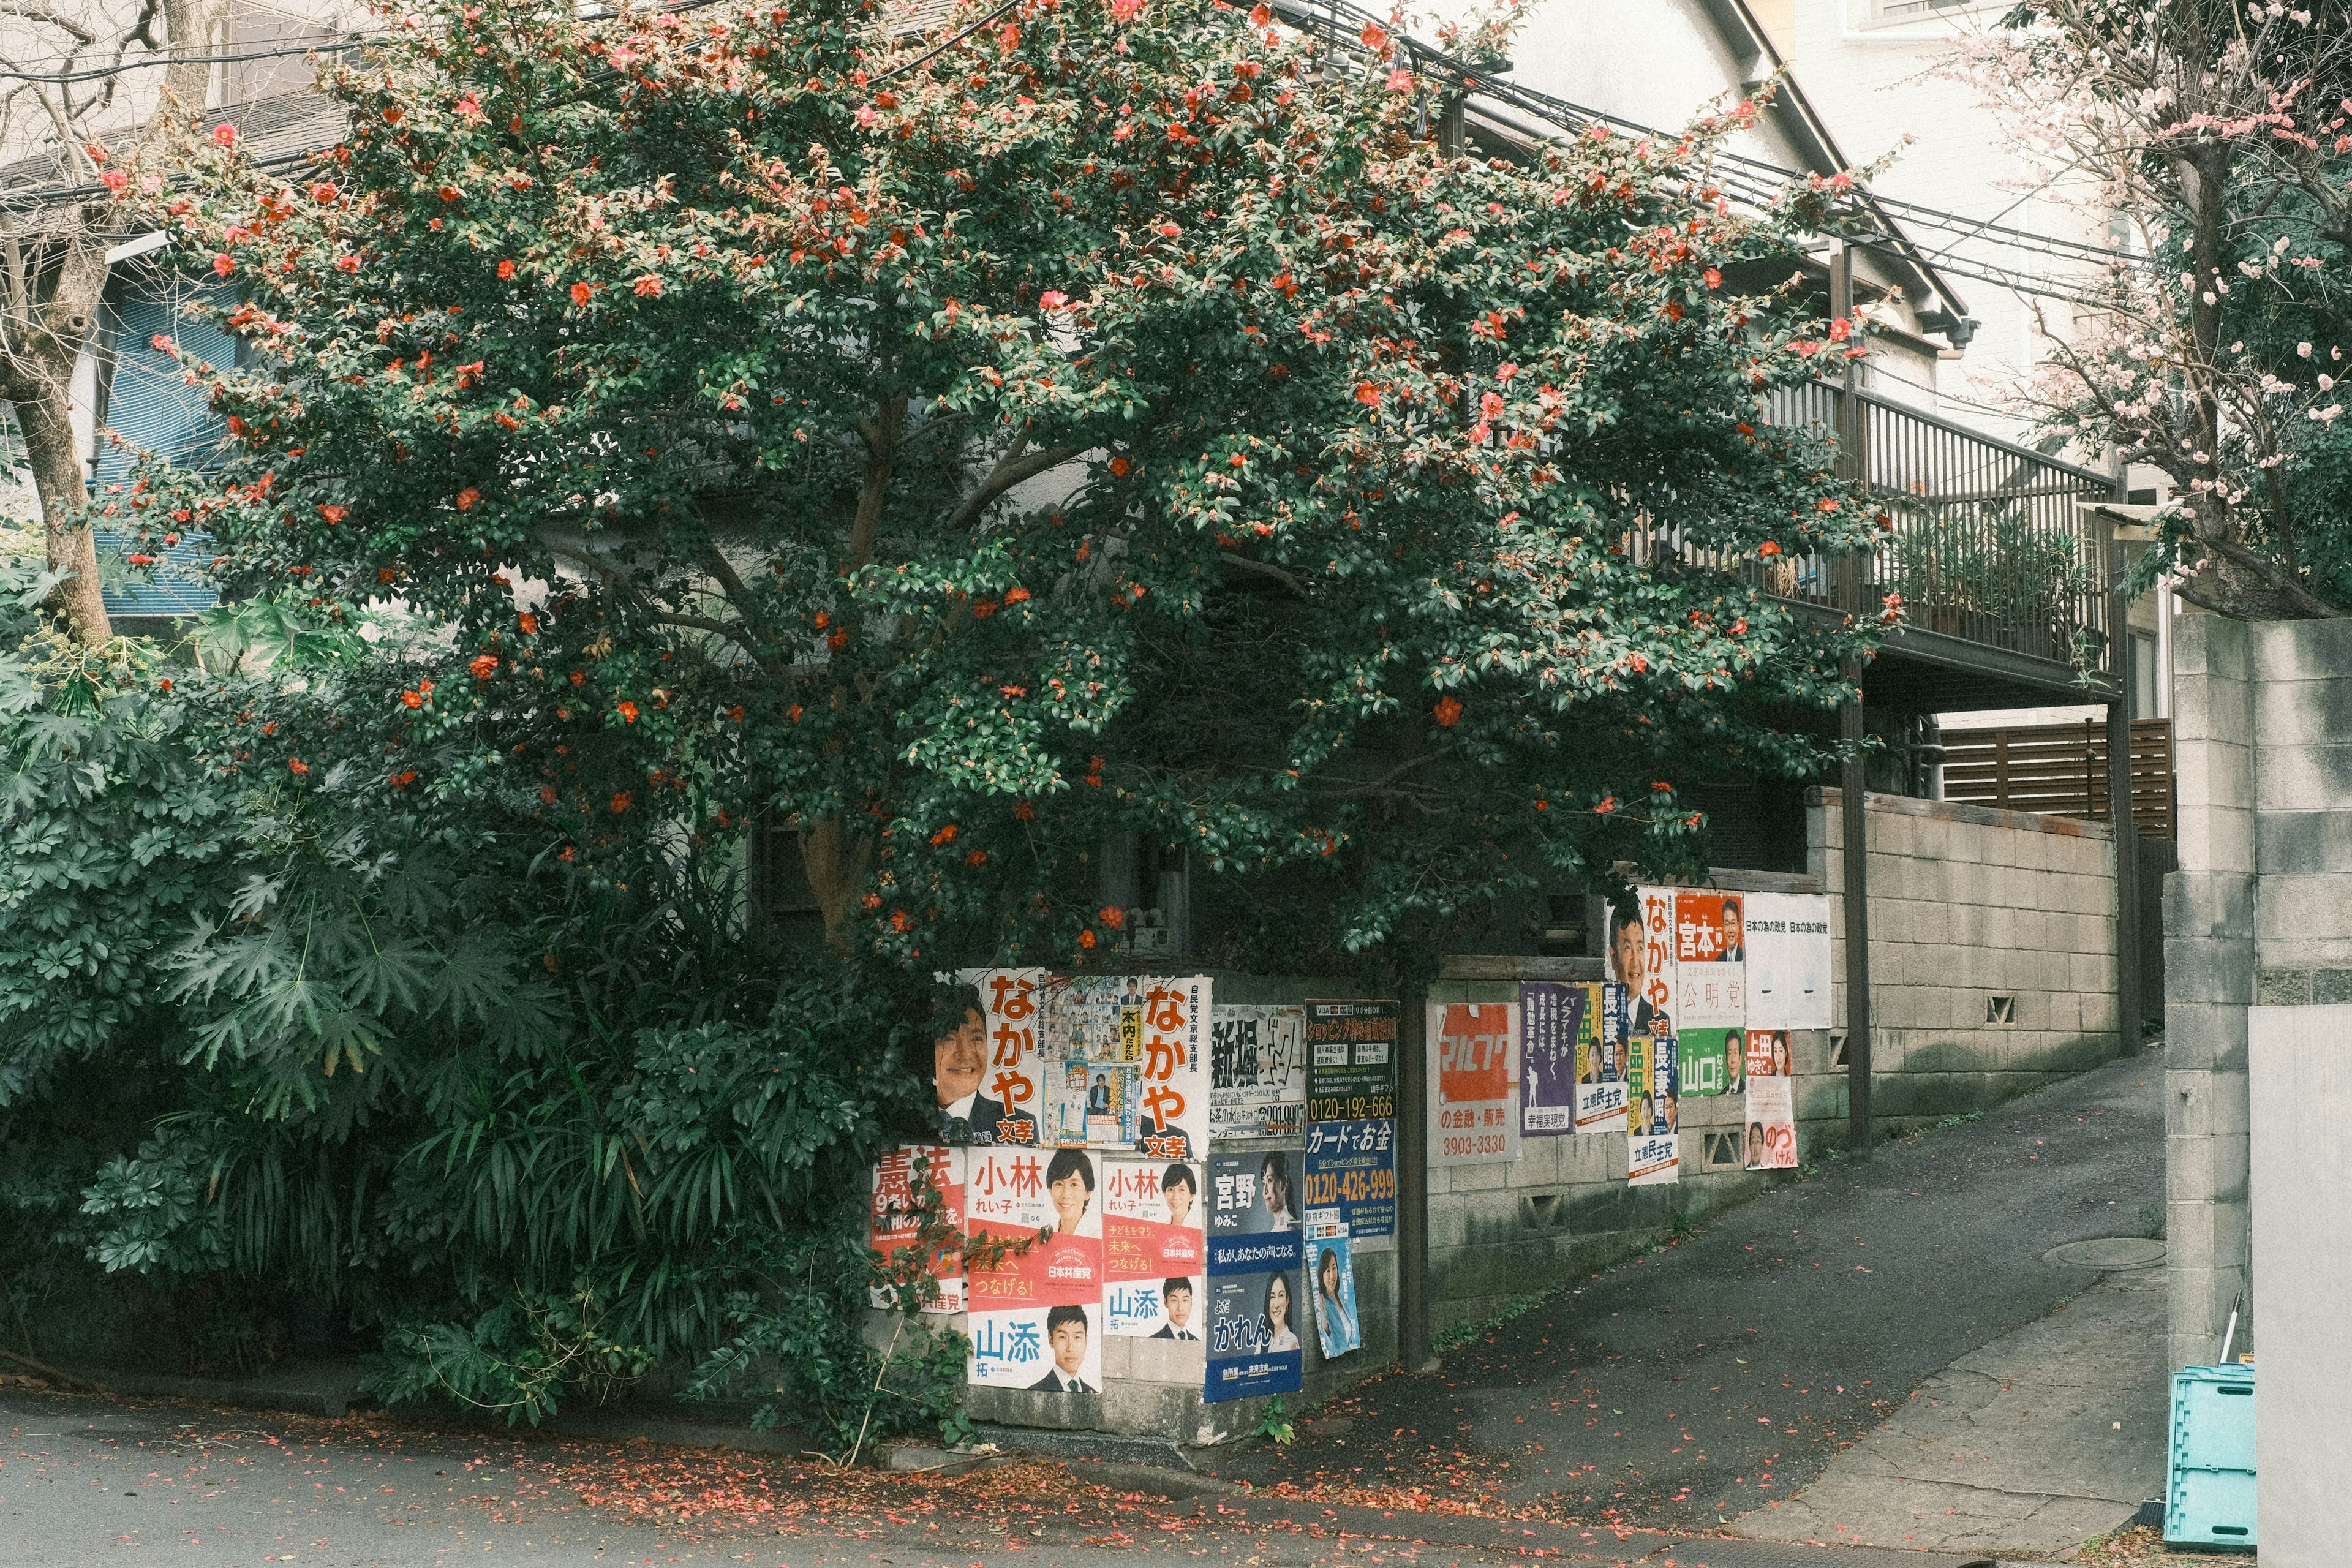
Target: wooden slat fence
2061 770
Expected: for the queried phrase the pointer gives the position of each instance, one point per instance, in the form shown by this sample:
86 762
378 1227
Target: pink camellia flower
1399 80
224 135
1170 230
1052 300
865 117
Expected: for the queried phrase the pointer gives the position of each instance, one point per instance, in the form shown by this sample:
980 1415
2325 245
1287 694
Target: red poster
893 1224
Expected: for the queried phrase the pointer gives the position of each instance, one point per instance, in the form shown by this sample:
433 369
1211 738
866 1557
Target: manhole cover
2108 1252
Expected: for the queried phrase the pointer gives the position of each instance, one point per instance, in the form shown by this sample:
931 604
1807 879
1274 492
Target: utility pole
1854 783
2120 804
1412 1177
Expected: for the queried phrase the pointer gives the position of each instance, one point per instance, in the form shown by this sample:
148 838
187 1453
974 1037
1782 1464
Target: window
1895 13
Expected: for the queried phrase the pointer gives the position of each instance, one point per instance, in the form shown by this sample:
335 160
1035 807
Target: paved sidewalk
1710 1379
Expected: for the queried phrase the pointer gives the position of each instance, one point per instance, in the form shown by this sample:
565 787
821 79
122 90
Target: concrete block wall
1967 904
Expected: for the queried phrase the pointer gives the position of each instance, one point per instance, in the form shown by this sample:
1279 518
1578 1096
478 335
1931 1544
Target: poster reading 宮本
1255 1306
896 1223
1037 1315
1472 1061
1257 1070
1710 961
1155 1250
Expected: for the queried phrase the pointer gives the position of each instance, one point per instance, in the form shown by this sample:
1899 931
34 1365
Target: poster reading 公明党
1331 1284
1710 962
1788 960
1351 1059
1351 1169
1036 1317
1474 1108
1155 1249
1554 1018
1257 1070
1253 1305
984 1061
1771 1137
895 1224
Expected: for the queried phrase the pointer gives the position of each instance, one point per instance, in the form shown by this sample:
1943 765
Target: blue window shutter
152 408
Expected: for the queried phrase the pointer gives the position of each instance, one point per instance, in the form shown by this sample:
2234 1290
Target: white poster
1654 1158
1474 1091
1788 960
1770 1140
1257 1070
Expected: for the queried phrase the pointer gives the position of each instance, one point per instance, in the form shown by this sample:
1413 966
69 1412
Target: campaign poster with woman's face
1013 1194
1154 1249
1254 1299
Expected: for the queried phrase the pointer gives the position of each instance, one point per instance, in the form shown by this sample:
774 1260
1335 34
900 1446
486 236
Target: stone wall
1976 916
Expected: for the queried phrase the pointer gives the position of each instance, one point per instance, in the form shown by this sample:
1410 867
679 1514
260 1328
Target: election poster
1601 1064
1712 1061
1253 1305
1710 962
1652 1159
1331 1284
1171 1028
1257 1070
985 1071
895 1224
1767 1054
1351 1169
1036 1317
1351 1059
1473 1095
1097 1104
1771 1136
1652 1086
1788 960
1155 1249
1641 957
1554 1019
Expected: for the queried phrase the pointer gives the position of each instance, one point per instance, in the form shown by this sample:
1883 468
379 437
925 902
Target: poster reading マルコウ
1155 1249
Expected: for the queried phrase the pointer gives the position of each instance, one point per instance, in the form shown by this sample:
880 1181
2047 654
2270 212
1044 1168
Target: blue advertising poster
1351 1166
1331 1285
1254 1304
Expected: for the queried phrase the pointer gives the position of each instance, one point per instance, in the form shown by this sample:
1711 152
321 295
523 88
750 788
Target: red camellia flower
1768 547
334 514
402 779
529 622
506 272
1368 395
323 193
223 266
416 699
347 263
467 498
484 665
1085 939
297 767
648 285
1606 806
1448 711
620 803
1015 595
579 292
1118 467
628 712
1052 300
944 835
1714 279
547 795
976 857
224 135
1113 916
1023 811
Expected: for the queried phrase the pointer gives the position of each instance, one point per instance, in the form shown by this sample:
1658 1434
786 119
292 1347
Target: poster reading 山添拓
1154 1249
1036 1316
1257 1070
1710 961
1255 1306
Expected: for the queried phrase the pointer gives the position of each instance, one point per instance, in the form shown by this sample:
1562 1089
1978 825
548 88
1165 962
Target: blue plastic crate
2209 1496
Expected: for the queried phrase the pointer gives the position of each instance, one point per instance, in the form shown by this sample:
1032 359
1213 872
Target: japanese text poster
1553 1021
1257 1070
1788 960
1653 1085
1473 1095
1331 1284
1253 1306
1036 1317
1600 1065
1155 1249
1767 1054
1351 1169
1173 1121
896 1223
1771 1135
1710 961
1652 1159
1641 957
1713 1061
1351 1060
985 1063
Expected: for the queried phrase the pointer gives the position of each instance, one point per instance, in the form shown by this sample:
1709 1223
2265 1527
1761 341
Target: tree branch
1009 470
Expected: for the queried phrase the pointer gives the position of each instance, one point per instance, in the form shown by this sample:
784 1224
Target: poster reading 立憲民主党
1254 1307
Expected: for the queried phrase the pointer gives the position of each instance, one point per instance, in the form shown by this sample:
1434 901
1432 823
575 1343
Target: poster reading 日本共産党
1257 1070
1554 1017
1037 1315
895 1224
1710 961
1155 1249
1254 1308
1351 1169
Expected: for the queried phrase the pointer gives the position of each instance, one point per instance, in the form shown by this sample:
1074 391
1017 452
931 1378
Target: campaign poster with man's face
985 1061
1710 961
1015 1194
1170 1017
1155 1250
1770 1138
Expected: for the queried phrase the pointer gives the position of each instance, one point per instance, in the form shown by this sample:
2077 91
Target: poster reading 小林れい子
1255 1302
1154 1249
1035 1317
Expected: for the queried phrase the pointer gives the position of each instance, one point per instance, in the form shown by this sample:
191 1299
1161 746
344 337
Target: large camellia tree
950 455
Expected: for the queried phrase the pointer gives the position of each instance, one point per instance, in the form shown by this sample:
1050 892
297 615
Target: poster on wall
1768 1055
1641 957
1652 1159
1711 1061
1173 1031
1351 1169
1653 1087
1253 1302
1036 1317
1331 1284
1771 1133
1789 959
895 1222
1710 961
1257 1070
1474 1110
1155 1249
1601 1064
1351 1059
1554 1019
985 1073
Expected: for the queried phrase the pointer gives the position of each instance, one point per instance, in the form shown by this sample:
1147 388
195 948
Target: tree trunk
45 416
836 862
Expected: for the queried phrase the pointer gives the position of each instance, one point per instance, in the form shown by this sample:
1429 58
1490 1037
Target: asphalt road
1714 1376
